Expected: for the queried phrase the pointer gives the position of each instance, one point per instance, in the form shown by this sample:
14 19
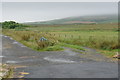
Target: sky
60 0
43 11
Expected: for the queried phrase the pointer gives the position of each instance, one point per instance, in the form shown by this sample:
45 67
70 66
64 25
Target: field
102 37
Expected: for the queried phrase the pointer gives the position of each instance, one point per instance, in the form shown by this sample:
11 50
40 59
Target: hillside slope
81 19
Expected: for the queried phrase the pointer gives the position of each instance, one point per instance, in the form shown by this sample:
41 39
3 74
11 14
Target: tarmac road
56 64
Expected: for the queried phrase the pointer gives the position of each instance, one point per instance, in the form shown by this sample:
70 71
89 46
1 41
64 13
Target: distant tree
0 25
11 25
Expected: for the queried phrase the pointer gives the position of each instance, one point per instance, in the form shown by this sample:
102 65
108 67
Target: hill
81 20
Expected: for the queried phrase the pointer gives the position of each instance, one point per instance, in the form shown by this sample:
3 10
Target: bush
42 44
11 25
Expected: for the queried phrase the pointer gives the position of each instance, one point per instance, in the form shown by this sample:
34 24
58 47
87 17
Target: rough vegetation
5 71
103 37
32 39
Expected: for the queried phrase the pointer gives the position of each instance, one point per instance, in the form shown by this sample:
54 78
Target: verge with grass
103 37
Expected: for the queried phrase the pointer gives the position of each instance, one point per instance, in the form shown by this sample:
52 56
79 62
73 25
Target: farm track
56 64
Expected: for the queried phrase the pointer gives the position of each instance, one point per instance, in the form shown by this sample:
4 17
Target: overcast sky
41 11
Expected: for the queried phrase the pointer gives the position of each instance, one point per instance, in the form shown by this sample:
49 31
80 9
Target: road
56 64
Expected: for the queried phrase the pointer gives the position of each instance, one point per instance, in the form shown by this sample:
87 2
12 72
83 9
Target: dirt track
56 64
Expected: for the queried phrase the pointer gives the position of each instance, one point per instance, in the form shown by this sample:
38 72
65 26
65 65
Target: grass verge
72 46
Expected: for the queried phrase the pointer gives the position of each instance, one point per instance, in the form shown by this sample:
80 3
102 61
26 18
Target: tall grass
32 39
99 36
97 39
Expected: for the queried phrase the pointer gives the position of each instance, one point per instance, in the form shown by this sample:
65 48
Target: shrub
42 44
11 25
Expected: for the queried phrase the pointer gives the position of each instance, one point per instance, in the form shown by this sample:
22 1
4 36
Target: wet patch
70 53
12 62
15 43
2 56
5 36
58 60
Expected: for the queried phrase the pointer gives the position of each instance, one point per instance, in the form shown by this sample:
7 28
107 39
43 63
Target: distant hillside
81 20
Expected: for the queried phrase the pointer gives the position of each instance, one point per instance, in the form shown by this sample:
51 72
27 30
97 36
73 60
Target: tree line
11 25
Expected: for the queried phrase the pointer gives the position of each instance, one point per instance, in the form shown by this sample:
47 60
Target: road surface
56 64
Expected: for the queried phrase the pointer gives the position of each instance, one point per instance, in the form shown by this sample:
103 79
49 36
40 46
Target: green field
74 27
102 37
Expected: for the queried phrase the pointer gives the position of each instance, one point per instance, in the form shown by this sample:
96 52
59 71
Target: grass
97 39
109 53
32 39
53 48
74 27
103 37
72 46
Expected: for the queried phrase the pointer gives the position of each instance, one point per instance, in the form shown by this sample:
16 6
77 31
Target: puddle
5 36
2 56
11 62
70 53
23 61
15 43
59 60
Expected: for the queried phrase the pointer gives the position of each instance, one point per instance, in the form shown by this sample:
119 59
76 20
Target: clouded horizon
42 11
